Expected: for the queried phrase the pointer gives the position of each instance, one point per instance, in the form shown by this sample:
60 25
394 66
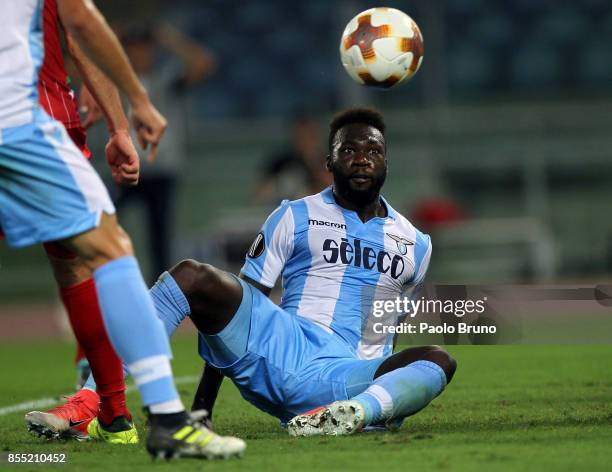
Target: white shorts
48 190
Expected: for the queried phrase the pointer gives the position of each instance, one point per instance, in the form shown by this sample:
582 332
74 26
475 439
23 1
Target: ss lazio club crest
402 243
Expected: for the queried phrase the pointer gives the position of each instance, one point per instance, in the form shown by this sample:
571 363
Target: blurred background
500 146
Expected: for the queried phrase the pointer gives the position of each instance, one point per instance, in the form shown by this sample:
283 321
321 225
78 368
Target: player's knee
114 244
120 244
102 244
442 358
195 278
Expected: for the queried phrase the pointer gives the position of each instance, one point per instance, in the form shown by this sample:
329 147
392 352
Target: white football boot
337 419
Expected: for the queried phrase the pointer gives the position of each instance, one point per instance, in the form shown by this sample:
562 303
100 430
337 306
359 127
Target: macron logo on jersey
331 224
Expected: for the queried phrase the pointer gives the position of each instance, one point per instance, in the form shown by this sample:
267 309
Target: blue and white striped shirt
21 56
329 259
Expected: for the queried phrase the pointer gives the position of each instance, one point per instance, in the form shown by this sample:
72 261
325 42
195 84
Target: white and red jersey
32 69
54 94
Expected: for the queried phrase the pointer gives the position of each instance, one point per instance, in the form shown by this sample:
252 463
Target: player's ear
328 162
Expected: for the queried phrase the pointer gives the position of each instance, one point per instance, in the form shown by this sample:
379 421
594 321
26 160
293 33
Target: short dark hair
362 115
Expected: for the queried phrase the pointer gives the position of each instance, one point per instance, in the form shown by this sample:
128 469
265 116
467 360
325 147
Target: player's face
358 162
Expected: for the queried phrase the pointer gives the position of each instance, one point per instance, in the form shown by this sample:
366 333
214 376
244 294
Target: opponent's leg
128 308
79 295
171 304
69 277
72 419
172 307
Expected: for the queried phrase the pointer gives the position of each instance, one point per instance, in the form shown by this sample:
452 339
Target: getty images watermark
409 309
489 314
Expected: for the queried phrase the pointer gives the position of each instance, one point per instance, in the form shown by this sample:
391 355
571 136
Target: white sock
171 406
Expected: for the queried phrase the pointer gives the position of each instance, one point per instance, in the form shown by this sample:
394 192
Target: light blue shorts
48 190
282 363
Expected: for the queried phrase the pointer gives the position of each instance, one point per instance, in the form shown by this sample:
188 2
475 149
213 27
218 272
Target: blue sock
135 331
170 303
402 392
90 383
171 307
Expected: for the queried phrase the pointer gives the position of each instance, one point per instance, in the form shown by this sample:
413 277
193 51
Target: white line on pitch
51 401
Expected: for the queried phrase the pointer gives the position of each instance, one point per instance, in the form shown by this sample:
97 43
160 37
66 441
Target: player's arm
197 61
120 152
103 90
271 249
208 389
85 23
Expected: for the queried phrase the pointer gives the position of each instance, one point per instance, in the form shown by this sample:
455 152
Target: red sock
81 302
80 354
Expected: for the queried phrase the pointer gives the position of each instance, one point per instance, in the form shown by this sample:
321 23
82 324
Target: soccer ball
381 47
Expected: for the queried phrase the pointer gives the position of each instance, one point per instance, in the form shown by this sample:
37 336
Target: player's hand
88 105
122 158
150 126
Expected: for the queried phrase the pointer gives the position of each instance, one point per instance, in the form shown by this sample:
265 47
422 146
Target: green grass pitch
508 408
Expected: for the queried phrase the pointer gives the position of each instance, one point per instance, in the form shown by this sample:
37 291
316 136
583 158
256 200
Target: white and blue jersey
310 350
21 56
333 265
48 190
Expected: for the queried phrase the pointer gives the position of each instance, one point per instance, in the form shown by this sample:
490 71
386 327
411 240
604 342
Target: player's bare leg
107 242
70 272
213 294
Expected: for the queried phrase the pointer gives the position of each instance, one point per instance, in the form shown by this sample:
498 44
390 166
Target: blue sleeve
271 248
